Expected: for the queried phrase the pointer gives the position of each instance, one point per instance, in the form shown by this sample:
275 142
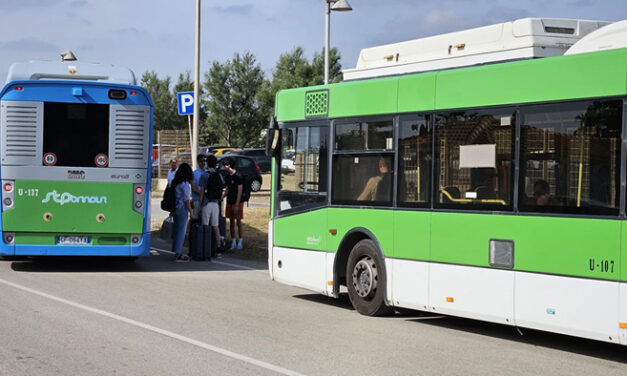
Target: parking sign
186 102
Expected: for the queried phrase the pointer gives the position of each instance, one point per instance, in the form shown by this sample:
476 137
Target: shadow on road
159 262
596 349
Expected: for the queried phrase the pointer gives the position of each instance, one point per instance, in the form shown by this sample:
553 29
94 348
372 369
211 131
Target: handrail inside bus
469 200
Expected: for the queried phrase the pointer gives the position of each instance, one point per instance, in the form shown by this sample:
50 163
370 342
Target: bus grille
130 137
21 132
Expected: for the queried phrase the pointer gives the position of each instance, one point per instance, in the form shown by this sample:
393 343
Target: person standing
183 209
172 170
211 189
201 158
234 205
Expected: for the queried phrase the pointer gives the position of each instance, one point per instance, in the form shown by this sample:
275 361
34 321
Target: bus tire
364 279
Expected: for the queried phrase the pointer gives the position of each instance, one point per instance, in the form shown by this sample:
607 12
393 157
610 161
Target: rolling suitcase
199 240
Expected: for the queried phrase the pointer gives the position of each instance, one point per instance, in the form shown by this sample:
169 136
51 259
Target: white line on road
154 329
217 262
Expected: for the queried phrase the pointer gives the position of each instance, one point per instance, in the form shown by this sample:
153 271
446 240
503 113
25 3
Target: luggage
166 229
199 241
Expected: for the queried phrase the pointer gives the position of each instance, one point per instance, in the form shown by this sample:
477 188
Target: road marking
154 329
217 262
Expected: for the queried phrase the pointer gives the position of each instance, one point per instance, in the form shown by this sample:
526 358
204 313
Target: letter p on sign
186 102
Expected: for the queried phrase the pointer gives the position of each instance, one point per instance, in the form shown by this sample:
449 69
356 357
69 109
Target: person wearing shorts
210 206
234 205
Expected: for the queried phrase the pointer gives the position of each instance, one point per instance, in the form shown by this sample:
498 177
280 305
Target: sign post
186 106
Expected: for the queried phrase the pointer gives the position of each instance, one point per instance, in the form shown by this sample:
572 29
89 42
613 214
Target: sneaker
219 255
182 258
233 245
239 244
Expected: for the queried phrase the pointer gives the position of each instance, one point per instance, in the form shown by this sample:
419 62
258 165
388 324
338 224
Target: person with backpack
211 187
182 208
234 203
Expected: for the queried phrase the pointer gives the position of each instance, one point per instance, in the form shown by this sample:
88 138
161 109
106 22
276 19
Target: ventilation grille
129 137
21 131
317 104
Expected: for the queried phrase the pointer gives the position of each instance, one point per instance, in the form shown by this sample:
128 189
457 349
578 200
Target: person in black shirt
234 204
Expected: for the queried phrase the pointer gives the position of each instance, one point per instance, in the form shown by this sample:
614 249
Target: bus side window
570 157
474 153
414 161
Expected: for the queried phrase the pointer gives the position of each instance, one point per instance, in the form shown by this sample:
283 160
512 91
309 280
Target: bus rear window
76 134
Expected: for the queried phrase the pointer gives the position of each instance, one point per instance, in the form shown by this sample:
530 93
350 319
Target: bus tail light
8 194
256 166
139 197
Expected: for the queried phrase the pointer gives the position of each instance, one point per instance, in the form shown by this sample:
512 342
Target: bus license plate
73 240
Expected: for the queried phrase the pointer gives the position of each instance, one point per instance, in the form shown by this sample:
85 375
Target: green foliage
294 70
159 90
236 99
235 117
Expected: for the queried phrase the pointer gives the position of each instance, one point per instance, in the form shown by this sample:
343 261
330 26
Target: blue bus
75 161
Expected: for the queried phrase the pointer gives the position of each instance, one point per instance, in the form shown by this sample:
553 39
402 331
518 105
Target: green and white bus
486 184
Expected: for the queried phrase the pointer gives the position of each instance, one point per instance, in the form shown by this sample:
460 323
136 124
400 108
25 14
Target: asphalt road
158 317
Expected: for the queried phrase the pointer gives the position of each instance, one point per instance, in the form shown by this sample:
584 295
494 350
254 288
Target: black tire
365 279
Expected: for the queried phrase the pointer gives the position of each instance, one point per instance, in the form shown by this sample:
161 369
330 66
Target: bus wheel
364 279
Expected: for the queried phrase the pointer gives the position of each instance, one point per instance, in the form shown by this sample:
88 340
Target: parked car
258 155
287 163
221 151
248 170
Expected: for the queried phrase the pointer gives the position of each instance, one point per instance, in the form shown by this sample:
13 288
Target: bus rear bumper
126 250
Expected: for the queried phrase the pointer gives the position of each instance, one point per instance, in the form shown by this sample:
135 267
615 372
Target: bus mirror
272 141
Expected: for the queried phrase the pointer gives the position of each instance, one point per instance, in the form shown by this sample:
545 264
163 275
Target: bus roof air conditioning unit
526 38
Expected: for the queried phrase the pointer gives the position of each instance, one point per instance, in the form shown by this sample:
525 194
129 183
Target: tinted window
570 157
475 159
414 161
363 179
76 133
244 163
373 135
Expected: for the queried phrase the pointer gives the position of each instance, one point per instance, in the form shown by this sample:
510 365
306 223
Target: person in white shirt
172 170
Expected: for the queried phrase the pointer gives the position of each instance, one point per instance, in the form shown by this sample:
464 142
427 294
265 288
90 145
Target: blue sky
159 34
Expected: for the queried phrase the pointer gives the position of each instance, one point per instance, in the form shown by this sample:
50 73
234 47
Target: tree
159 90
235 116
293 70
317 66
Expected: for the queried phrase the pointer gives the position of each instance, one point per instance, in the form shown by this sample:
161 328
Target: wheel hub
365 277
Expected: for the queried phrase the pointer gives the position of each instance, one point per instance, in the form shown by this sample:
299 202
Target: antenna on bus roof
67 55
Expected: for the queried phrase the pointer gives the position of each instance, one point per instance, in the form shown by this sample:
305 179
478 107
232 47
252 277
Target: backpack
215 185
245 191
168 203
